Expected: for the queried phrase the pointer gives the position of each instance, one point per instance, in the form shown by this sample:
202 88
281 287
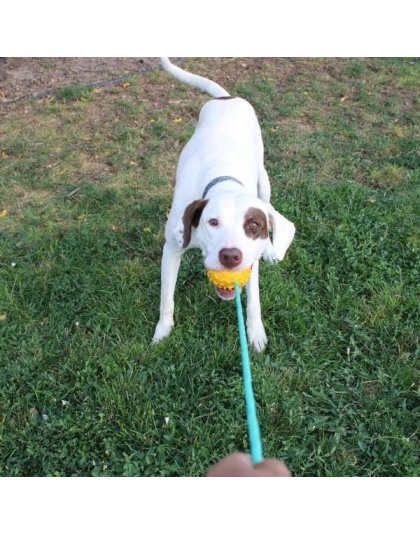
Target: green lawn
85 186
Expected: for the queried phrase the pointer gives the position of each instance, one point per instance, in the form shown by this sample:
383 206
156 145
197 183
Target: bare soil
22 78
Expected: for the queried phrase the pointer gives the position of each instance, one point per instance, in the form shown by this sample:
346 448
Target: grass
85 186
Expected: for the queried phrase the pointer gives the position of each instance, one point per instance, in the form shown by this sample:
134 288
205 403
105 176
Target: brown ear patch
256 224
191 218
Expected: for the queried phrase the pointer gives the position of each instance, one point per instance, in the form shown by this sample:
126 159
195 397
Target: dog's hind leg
264 193
264 187
171 260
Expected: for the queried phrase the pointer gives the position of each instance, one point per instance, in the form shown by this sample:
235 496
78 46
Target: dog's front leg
171 259
255 328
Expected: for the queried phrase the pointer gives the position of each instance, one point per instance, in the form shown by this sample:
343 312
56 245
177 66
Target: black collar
217 180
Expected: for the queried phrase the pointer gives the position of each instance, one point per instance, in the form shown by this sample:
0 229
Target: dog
221 203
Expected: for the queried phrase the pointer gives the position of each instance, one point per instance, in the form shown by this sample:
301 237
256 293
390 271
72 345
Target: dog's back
227 140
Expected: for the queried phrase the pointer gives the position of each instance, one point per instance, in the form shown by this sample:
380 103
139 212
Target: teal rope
251 409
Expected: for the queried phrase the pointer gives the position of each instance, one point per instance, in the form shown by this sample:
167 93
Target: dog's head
233 231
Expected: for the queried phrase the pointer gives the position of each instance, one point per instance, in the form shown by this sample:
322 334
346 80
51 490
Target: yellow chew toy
227 279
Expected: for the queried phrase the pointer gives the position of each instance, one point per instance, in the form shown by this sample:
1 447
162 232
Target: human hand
239 464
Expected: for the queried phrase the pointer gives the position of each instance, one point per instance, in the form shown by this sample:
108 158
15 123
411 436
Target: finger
235 465
272 468
240 464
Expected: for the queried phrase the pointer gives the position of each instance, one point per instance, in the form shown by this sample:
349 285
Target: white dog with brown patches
222 203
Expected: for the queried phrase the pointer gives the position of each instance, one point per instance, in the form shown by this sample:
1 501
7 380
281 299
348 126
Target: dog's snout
230 257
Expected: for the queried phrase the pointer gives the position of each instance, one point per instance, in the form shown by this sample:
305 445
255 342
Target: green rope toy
251 409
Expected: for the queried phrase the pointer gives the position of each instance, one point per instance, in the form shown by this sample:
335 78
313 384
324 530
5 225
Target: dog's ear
190 219
283 232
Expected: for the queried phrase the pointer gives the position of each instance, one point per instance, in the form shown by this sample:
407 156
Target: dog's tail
206 85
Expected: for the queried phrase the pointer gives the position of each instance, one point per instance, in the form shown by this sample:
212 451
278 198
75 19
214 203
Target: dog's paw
257 337
269 253
162 330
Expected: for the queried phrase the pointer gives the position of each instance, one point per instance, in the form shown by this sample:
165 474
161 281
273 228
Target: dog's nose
230 257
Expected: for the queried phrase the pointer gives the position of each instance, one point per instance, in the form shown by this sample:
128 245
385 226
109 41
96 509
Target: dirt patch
22 78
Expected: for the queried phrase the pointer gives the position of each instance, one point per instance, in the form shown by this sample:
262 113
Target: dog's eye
213 222
253 225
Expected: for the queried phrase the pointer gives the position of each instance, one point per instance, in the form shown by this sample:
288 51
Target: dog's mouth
226 294
225 281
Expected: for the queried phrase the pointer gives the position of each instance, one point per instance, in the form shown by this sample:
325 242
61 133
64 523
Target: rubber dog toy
227 279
